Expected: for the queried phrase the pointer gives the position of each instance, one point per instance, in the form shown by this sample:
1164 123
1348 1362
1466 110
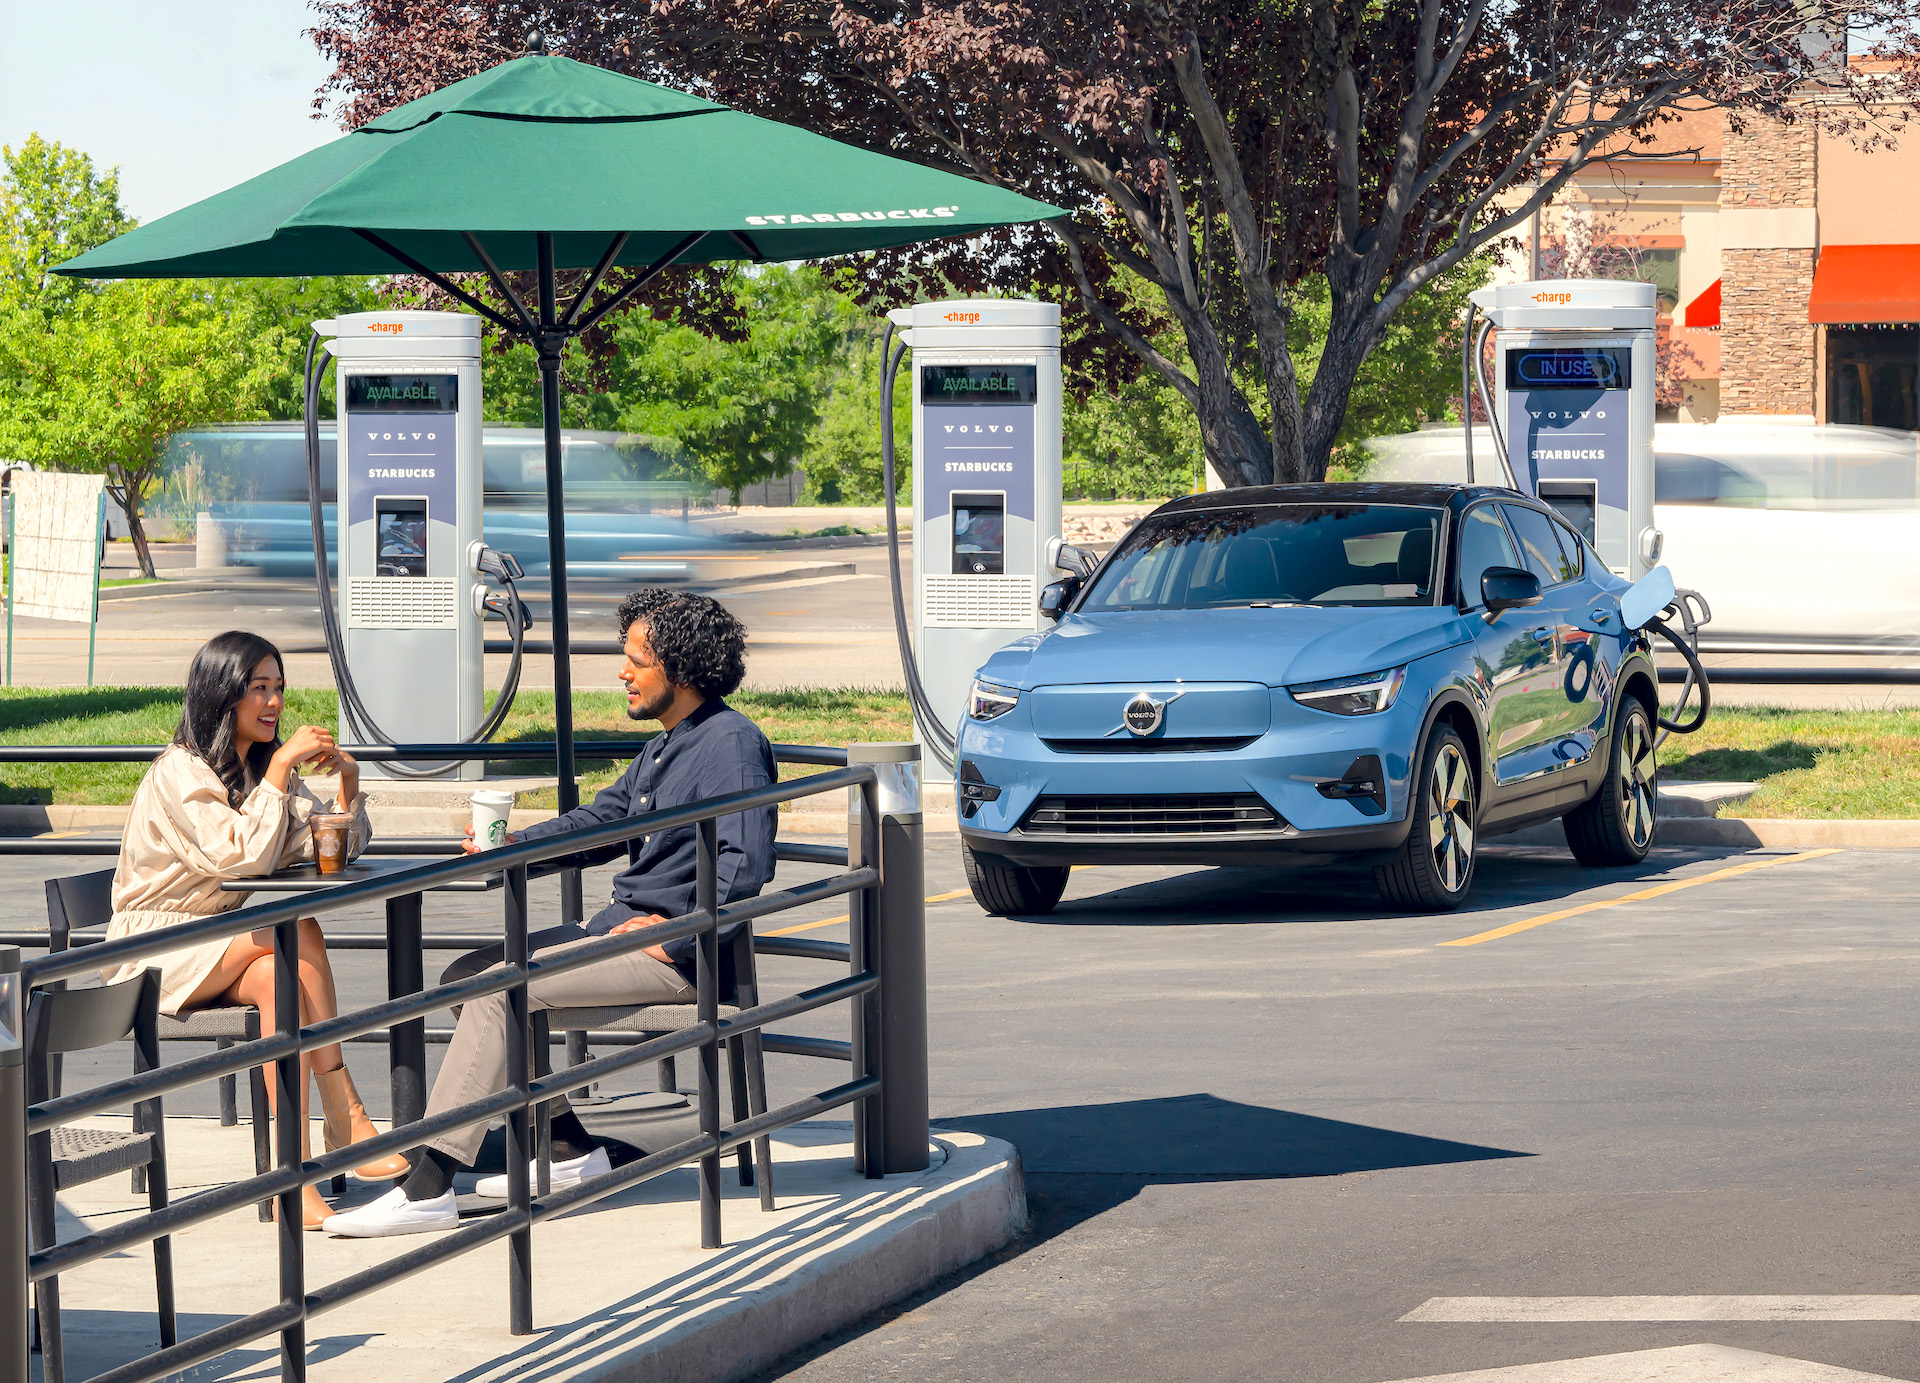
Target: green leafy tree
843 460
100 390
53 206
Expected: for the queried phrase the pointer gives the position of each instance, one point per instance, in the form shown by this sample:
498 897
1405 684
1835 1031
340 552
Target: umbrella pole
547 347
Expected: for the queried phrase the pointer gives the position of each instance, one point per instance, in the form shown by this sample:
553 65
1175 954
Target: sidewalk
622 1289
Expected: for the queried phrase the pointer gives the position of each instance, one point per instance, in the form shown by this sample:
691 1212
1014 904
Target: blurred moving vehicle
1802 537
1390 673
251 478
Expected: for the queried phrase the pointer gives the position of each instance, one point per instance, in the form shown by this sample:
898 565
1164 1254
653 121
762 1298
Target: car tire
1005 889
1433 869
1618 823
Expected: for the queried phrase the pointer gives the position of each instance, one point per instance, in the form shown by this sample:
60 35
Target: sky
188 97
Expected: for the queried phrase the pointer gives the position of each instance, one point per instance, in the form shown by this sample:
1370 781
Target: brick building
1788 258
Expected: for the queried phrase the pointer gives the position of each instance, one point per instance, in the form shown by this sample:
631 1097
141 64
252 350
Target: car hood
1280 647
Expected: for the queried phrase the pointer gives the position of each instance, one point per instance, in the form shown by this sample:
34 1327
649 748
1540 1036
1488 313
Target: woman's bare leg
317 995
256 987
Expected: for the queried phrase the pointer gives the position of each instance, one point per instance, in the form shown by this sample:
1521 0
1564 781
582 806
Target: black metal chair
81 901
75 1020
746 1060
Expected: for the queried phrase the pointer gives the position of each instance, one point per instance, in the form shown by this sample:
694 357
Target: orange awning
1866 283
1704 311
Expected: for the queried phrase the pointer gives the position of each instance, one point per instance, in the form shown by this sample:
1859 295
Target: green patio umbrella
546 164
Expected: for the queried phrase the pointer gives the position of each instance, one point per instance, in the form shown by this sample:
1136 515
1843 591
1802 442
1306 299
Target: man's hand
634 924
470 847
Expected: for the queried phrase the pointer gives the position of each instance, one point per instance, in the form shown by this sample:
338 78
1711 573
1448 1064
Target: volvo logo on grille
1143 714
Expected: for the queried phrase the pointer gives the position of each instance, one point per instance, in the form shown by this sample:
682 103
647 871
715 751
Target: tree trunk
1237 447
1347 347
128 496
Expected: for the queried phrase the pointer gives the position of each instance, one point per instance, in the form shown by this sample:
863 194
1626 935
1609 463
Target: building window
1871 375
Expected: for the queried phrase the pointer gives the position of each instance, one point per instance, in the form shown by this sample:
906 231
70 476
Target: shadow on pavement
1507 876
1081 1161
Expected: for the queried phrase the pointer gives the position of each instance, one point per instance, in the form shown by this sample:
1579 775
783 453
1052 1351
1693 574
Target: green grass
1836 764
147 715
1808 763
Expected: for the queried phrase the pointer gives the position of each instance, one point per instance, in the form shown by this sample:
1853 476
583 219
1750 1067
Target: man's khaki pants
476 1064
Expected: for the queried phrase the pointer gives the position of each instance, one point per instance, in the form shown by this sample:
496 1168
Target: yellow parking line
1640 897
833 921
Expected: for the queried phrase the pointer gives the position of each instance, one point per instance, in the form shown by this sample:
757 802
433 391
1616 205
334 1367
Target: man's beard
646 712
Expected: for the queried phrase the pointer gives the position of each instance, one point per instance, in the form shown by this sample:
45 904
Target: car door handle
1599 616
1543 636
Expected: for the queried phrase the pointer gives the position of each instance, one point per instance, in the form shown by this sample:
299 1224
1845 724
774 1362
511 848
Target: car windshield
1273 554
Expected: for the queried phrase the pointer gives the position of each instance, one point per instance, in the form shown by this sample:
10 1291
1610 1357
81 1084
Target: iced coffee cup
331 832
490 810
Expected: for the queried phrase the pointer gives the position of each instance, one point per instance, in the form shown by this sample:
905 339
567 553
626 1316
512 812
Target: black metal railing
863 867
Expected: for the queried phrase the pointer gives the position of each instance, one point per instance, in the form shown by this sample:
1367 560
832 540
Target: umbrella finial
537 43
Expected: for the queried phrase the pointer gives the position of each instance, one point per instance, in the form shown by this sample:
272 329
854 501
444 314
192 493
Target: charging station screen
1584 367
403 393
978 384
979 534
400 537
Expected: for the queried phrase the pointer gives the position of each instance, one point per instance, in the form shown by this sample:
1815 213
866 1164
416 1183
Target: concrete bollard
209 542
13 1171
901 942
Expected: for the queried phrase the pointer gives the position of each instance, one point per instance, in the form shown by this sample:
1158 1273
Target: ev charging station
986 484
408 523
1573 399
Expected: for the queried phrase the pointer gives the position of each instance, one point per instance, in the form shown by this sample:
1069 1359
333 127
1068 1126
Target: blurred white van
1800 536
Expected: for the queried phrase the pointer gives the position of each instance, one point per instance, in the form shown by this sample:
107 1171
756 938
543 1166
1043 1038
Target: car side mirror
1056 597
1508 588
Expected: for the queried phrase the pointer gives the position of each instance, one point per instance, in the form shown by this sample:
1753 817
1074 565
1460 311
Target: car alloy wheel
1450 817
1637 779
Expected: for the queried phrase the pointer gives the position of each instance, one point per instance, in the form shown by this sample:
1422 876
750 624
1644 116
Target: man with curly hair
684 655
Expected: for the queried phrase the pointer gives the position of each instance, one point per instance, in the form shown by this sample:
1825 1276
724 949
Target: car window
1571 548
1272 554
1483 543
1538 545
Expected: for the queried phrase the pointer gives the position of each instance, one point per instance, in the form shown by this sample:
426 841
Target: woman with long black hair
224 802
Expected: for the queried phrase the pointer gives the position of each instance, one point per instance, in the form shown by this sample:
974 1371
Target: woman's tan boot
313 1206
347 1122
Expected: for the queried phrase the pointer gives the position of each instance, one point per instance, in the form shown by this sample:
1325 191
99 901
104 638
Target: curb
974 1204
1779 833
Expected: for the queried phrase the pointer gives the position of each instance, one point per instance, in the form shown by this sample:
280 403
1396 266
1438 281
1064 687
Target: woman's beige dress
183 840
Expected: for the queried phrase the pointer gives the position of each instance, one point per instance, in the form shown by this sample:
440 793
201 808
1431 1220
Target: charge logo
387 328
961 317
1553 297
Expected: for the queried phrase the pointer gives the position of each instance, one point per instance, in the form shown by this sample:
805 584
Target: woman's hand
341 762
307 743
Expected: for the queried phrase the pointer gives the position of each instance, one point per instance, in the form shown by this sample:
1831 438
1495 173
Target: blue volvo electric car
1392 672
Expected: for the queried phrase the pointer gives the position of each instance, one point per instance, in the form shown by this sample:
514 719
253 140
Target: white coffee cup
490 808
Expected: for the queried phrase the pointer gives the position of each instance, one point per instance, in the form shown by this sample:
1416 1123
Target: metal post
14 1365
900 934
863 941
289 1126
13 559
547 348
407 1046
706 899
519 1145
93 622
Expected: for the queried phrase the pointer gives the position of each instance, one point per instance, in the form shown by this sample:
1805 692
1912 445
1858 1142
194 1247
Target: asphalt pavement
1264 1122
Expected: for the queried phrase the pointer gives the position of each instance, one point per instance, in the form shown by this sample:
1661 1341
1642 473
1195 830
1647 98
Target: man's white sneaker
393 1213
569 1173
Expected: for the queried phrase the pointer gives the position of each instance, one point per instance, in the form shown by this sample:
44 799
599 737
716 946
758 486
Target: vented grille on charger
990 602
1150 816
409 602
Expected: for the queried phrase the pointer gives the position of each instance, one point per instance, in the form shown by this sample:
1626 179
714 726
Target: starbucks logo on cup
496 832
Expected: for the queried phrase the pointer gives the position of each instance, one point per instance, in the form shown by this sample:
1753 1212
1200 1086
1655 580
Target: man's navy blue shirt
713 751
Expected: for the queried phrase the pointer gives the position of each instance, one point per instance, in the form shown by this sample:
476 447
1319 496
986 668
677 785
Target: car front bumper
1079 796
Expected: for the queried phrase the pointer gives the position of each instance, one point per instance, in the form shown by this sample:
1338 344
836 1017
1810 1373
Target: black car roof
1335 492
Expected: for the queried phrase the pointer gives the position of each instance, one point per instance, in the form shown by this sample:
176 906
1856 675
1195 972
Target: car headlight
987 701
1352 696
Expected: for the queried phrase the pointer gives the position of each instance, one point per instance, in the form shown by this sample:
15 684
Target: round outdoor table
406 958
